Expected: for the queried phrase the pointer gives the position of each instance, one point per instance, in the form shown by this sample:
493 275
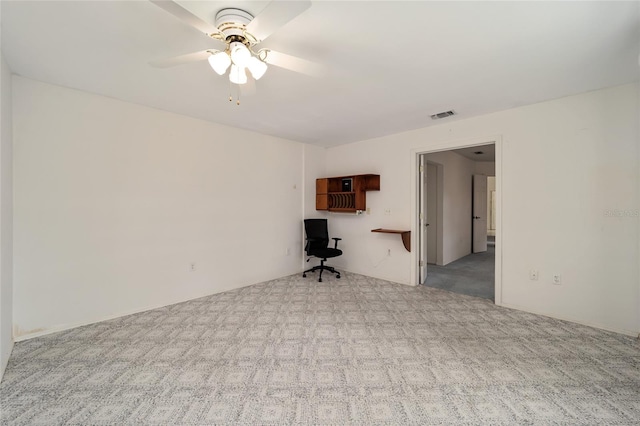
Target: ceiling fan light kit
239 54
220 61
257 67
231 24
237 29
237 75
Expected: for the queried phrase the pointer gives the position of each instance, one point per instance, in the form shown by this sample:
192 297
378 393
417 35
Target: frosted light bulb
220 62
240 55
257 67
237 75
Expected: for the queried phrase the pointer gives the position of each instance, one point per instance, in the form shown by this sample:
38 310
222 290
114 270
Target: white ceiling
391 64
478 153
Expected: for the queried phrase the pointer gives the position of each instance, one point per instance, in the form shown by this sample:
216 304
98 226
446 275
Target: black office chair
317 246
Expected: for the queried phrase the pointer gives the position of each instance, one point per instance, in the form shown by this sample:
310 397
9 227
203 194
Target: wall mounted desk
405 235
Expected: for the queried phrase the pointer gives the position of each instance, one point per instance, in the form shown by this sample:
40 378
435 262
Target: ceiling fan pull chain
230 94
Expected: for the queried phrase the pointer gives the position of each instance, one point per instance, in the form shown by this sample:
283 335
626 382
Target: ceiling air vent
440 115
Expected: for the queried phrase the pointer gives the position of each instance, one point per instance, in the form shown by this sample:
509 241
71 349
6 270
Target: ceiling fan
237 33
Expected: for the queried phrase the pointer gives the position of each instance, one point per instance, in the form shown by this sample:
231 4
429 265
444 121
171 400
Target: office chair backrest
317 234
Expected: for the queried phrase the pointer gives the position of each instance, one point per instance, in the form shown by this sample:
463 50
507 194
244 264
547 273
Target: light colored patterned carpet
352 351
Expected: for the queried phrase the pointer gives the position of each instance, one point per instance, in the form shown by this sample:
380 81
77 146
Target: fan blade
274 16
182 59
296 64
186 16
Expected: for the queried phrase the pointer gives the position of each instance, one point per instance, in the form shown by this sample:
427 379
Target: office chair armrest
336 240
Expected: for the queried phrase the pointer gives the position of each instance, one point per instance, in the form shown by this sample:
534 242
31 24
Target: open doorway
457 220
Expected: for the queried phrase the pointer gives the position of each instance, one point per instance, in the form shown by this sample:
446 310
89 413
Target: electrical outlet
533 275
557 279
368 210
387 212
192 267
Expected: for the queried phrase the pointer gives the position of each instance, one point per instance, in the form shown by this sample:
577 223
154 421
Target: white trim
379 277
439 212
64 327
303 184
3 366
447 146
637 334
498 230
569 319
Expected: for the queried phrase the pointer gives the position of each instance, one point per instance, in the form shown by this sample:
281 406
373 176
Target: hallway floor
472 275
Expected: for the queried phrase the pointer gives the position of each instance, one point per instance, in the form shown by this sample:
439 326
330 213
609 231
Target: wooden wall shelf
405 235
345 194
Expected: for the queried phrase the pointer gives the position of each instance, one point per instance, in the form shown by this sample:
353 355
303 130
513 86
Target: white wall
638 195
314 168
565 163
487 168
6 217
456 209
355 230
113 201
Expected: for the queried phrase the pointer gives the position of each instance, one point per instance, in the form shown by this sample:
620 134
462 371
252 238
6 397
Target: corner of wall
202 212
637 137
6 216
314 166
5 358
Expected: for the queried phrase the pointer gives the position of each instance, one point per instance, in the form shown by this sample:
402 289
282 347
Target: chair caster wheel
338 276
304 275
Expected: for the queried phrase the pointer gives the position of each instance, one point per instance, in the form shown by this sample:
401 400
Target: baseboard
393 280
59 328
5 361
64 327
630 333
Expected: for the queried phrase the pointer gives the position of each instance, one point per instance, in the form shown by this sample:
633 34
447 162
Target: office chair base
321 268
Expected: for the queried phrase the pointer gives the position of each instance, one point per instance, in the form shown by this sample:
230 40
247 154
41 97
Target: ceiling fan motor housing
232 23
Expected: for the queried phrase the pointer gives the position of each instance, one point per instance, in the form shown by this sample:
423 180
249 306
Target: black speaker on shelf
347 185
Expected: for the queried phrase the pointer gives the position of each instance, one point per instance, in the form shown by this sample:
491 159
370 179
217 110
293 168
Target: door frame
439 196
434 231
421 236
415 219
475 200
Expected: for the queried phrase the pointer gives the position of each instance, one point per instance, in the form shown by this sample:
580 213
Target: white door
479 222
422 215
432 213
